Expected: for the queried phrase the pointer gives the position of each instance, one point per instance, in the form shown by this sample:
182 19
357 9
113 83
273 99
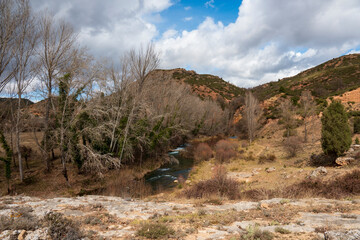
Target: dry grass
203 152
218 185
335 188
225 150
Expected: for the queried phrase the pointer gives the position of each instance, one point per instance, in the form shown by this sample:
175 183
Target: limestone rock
343 161
270 169
317 172
22 235
343 235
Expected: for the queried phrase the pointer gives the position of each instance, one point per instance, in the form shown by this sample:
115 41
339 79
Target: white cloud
210 4
188 19
269 40
111 27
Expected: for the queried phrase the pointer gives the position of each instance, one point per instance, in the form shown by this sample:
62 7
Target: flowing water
165 176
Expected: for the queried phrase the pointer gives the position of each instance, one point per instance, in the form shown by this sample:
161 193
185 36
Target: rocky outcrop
320 171
342 235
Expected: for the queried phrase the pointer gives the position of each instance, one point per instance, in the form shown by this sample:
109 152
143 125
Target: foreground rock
115 218
342 235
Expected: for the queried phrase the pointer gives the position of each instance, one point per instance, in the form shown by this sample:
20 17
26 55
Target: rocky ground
103 217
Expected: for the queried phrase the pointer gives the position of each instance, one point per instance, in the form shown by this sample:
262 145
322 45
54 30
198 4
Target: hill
331 78
7 105
204 85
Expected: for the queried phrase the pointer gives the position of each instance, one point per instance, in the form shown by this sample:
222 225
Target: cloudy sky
246 42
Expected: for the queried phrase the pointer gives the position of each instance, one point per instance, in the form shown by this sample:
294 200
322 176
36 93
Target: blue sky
187 14
246 42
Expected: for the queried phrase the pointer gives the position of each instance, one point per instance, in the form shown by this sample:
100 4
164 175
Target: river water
164 177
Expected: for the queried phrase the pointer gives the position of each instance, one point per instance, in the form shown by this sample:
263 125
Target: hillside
331 78
204 85
7 104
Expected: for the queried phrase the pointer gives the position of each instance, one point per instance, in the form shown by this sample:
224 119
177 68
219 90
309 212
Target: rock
343 161
356 146
351 150
270 169
317 172
264 206
38 234
342 235
22 235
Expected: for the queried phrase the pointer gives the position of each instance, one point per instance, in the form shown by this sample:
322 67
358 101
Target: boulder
317 172
342 235
343 161
270 169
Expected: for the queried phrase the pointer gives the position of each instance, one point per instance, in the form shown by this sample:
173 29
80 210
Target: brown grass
337 188
124 184
203 152
219 185
225 150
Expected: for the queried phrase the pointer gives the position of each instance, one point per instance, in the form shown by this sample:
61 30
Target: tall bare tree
307 110
141 63
24 63
287 114
57 39
252 114
9 22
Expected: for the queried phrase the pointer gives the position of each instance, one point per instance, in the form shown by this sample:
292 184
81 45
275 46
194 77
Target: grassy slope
206 85
331 78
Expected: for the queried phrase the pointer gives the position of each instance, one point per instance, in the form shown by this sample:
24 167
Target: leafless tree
287 114
9 22
57 39
141 63
252 114
307 110
24 64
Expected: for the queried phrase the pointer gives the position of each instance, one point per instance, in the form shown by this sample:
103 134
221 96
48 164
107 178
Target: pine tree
335 132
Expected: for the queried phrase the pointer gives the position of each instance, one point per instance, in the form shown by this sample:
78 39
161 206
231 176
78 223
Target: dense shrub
19 219
357 125
292 145
357 140
322 160
202 152
155 231
340 187
267 158
225 150
219 185
61 228
335 132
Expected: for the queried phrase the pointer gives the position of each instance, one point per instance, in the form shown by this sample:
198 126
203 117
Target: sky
246 42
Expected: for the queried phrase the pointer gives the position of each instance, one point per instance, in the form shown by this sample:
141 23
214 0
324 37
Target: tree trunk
18 138
305 131
46 131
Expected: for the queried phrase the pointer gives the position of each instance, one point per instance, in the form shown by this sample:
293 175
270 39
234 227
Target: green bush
155 231
335 132
357 140
357 125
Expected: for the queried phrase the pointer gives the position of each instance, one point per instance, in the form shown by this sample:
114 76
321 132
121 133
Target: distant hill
7 105
204 85
331 78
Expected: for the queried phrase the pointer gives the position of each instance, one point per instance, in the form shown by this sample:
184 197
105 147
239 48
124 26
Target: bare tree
24 64
141 62
287 114
307 110
9 21
57 40
252 114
